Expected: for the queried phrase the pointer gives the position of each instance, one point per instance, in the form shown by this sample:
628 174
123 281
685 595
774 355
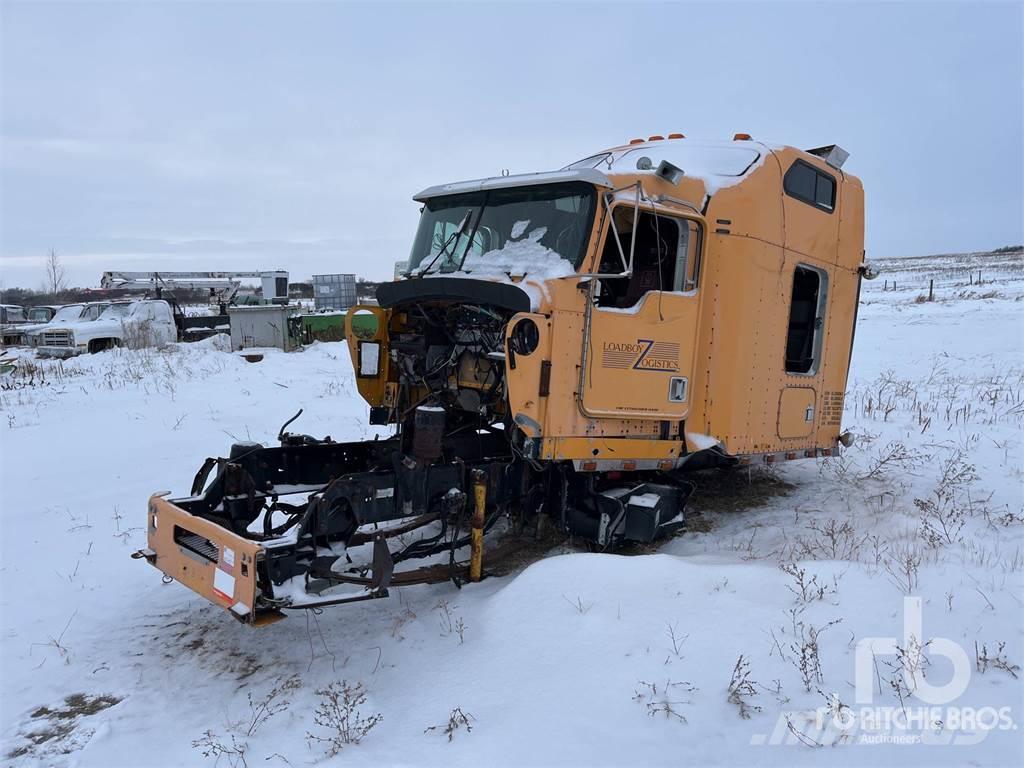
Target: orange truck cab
568 345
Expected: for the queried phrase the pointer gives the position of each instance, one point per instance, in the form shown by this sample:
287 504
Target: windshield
66 314
520 227
115 311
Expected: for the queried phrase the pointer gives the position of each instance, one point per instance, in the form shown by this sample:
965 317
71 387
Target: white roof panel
588 175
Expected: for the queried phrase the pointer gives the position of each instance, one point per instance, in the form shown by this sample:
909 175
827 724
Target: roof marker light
676 136
655 138
741 137
636 141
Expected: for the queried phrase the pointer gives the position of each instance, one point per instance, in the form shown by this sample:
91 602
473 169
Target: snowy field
747 641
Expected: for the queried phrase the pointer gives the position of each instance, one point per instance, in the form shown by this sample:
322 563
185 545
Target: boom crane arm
226 284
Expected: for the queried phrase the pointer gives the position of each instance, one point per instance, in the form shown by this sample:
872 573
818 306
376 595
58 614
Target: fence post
931 290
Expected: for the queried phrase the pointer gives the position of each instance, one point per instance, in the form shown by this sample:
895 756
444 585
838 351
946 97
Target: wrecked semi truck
565 347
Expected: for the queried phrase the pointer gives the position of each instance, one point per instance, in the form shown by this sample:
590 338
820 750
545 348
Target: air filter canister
428 429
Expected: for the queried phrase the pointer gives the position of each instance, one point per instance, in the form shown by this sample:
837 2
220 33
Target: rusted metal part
337 601
383 567
364 537
476 557
203 475
431 574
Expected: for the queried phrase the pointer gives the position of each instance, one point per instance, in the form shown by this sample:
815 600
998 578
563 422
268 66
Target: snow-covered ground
724 647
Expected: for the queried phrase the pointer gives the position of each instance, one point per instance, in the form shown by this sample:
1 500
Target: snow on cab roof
717 163
717 158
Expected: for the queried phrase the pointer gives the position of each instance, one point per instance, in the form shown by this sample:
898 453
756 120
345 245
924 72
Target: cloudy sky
225 135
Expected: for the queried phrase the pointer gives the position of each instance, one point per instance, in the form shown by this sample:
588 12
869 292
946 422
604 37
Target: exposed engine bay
452 357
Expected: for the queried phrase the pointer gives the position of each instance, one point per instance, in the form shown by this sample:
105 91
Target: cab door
640 333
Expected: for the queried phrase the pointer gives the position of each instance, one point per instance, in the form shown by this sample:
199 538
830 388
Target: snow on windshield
518 228
455 227
520 257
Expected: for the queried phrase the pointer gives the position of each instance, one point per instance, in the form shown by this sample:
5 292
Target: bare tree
56 277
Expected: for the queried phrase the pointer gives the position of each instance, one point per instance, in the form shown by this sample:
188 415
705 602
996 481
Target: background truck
12 317
142 323
69 313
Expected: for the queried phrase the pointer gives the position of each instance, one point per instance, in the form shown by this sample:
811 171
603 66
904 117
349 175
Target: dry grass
739 489
53 727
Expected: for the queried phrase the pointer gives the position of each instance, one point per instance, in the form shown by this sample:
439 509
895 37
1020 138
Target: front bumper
62 351
211 561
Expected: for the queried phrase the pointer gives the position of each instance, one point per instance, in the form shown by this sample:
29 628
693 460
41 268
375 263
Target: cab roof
717 163
588 175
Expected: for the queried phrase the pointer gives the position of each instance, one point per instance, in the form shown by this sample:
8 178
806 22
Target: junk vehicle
42 313
35 317
12 317
16 332
564 347
141 323
69 313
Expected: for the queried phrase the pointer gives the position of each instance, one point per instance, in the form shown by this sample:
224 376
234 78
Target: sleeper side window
806 320
811 186
666 257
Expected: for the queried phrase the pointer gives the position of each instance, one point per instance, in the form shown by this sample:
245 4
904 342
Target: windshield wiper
453 237
472 235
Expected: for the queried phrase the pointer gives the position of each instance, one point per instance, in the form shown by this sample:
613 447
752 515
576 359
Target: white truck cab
134 324
69 313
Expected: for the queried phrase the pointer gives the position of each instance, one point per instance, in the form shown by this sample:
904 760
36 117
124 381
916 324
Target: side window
825 192
666 257
810 186
806 320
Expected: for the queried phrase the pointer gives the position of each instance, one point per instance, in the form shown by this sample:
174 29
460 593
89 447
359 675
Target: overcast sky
192 135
